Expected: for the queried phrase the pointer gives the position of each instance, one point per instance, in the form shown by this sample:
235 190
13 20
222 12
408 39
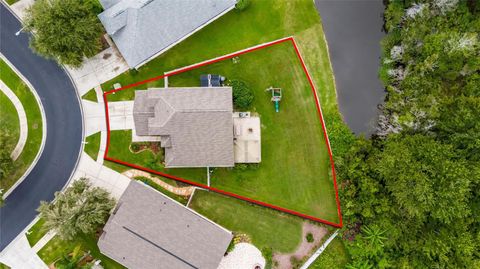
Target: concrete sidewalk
101 176
121 116
22 116
20 255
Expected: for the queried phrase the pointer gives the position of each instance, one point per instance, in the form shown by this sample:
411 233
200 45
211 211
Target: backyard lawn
56 248
34 120
267 228
295 169
295 147
93 145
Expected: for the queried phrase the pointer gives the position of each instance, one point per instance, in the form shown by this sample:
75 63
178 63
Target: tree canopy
411 193
65 30
80 209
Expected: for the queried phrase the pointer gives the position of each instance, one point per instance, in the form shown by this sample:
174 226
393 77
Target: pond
354 30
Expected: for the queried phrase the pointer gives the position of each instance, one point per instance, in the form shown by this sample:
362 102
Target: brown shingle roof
196 122
149 230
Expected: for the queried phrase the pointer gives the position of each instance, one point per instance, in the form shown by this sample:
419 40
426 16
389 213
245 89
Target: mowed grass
36 232
267 228
294 171
57 248
93 145
9 121
34 120
262 21
91 95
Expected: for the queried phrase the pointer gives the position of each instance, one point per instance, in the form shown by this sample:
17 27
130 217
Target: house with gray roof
148 230
144 29
194 124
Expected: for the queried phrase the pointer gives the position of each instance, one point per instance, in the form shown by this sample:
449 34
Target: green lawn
334 256
34 119
93 145
36 232
56 248
294 172
266 228
9 120
91 95
262 21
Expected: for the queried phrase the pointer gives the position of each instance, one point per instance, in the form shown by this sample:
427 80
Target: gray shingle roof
149 230
195 124
143 28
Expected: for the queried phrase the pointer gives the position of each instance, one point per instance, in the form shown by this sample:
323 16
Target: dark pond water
353 30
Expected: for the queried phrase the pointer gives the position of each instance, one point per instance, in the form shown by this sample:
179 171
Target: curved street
64 130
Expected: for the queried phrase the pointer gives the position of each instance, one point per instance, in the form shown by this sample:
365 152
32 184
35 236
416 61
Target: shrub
242 4
242 94
310 238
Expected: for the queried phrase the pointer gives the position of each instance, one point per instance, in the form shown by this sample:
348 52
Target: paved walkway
98 69
22 117
101 176
121 116
20 255
183 191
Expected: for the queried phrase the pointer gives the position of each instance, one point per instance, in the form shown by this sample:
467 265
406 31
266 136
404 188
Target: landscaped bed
121 149
34 120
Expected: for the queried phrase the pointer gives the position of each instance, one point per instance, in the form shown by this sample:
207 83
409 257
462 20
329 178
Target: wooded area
410 194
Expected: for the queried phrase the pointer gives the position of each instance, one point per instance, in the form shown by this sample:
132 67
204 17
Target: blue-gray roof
143 28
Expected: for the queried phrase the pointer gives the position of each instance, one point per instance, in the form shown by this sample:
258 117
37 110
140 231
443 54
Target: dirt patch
284 260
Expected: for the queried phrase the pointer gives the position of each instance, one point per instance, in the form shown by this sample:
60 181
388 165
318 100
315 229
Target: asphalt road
64 130
353 29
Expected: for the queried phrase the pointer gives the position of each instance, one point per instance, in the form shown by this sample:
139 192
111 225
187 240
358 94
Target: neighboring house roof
143 28
148 230
195 124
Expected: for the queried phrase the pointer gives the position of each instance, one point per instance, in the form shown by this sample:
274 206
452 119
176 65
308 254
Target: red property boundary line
229 56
